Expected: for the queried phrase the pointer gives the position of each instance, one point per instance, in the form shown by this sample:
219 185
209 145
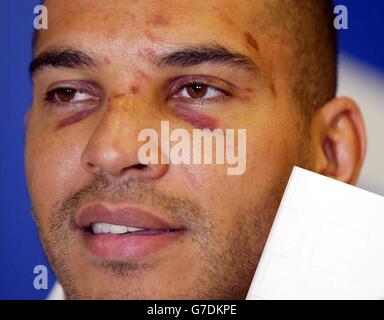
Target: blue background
20 249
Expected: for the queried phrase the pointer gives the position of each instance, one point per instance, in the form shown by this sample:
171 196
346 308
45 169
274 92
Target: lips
127 233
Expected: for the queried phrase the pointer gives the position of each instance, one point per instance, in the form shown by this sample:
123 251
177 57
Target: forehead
190 10
123 28
169 21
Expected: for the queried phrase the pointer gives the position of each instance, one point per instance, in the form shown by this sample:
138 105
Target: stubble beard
227 262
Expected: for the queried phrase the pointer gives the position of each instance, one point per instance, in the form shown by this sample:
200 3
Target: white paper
327 242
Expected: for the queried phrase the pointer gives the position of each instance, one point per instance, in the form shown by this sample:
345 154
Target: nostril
140 166
90 166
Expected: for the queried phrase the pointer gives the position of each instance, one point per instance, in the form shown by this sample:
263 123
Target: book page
327 242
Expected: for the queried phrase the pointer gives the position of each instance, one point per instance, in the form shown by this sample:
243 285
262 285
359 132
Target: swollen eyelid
196 119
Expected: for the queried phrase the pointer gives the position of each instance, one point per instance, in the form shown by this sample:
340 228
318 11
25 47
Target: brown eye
197 90
68 96
65 94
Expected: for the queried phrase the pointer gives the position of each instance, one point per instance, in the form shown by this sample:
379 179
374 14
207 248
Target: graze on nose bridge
139 78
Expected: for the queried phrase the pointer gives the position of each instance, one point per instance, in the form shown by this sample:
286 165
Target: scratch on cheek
196 119
251 40
158 20
74 118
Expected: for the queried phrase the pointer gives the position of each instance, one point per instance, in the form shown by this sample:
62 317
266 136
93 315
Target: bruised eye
199 91
68 95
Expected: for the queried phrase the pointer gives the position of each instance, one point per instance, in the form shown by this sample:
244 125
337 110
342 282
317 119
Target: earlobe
338 140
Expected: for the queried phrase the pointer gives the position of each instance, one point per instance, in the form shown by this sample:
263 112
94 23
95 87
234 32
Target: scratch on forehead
148 55
153 37
158 20
251 40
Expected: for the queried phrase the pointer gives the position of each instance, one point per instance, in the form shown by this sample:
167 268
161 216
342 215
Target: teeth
132 229
100 227
117 229
112 228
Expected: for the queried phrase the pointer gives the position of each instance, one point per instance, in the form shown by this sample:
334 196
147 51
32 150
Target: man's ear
338 140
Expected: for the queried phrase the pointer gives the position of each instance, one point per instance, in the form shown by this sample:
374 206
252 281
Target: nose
114 146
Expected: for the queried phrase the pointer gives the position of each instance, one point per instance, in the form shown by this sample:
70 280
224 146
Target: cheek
228 198
222 196
199 178
53 168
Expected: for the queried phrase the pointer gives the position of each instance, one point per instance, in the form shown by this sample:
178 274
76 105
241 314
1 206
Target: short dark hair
307 25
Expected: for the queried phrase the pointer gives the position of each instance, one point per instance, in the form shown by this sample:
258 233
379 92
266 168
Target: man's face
204 229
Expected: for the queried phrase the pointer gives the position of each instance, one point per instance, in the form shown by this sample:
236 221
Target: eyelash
183 85
51 99
176 88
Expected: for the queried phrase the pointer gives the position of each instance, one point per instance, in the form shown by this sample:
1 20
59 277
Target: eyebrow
66 58
184 57
194 55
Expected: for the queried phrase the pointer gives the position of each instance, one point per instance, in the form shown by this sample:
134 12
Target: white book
326 242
